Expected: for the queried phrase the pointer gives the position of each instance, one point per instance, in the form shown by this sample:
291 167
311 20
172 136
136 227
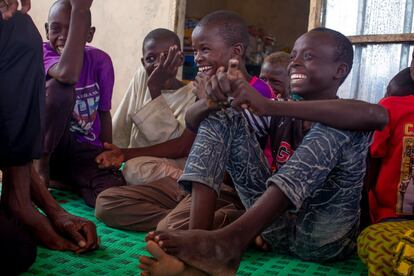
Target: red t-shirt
393 195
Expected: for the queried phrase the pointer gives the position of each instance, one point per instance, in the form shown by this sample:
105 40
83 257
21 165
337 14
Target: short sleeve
310 165
106 79
50 58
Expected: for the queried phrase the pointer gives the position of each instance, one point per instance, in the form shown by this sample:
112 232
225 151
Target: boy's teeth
204 68
298 76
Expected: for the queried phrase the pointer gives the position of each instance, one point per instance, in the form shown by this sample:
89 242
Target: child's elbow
380 114
67 78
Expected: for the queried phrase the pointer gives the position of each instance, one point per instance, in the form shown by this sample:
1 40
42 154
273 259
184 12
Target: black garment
286 134
18 249
73 162
21 91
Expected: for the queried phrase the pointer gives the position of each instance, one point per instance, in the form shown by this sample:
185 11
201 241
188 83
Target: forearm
155 89
341 114
106 126
174 148
42 197
69 67
196 114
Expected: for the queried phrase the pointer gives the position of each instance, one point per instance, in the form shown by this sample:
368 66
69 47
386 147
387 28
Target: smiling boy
310 207
274 72
79 86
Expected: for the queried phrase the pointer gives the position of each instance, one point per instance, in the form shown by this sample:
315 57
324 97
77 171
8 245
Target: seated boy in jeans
79 85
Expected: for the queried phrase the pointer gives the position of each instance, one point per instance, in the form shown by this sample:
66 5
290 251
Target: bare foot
161 263
214 252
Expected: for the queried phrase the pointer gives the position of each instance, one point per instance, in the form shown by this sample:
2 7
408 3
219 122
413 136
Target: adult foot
214 252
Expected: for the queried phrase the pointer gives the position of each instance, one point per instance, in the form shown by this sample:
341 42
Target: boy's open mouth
297 77
59 49
204 69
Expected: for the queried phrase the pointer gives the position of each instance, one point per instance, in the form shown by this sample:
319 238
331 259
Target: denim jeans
323 180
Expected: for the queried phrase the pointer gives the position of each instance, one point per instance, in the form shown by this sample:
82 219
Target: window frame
316 13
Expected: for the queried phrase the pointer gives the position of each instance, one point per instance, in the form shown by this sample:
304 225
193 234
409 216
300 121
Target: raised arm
69 67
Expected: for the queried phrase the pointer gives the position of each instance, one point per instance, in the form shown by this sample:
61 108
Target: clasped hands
229 89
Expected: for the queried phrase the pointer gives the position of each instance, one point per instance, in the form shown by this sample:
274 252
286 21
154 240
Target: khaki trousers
160 205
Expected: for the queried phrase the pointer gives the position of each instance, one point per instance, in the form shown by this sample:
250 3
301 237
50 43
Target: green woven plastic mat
119 251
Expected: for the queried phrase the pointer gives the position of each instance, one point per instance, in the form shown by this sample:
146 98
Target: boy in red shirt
393 149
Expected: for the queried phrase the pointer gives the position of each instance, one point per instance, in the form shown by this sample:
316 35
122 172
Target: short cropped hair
401 84
66 4
344 50
278 58
162 34
232 27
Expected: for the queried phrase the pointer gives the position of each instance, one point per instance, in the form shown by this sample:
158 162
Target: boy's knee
105 203
145 169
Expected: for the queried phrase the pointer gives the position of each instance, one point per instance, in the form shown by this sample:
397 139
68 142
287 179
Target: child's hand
9 7
200 83
166 70
82 4
112 157
246 97
218 89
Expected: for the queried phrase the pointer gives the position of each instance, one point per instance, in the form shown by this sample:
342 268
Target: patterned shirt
323 179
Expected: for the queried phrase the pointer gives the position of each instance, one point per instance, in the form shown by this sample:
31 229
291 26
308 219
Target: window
381 34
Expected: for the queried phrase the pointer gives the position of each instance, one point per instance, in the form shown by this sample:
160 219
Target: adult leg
18 247
60 99
138 207
146 169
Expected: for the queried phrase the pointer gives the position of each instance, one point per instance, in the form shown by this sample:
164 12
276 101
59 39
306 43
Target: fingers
8 8
26 5
213 90
173 60
109 146
88 229
72 231
223 82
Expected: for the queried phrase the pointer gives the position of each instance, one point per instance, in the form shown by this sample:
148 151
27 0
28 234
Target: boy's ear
238 49
91 33
47 30
342 71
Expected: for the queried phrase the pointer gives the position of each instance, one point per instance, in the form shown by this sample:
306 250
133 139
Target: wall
120 29
286 19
